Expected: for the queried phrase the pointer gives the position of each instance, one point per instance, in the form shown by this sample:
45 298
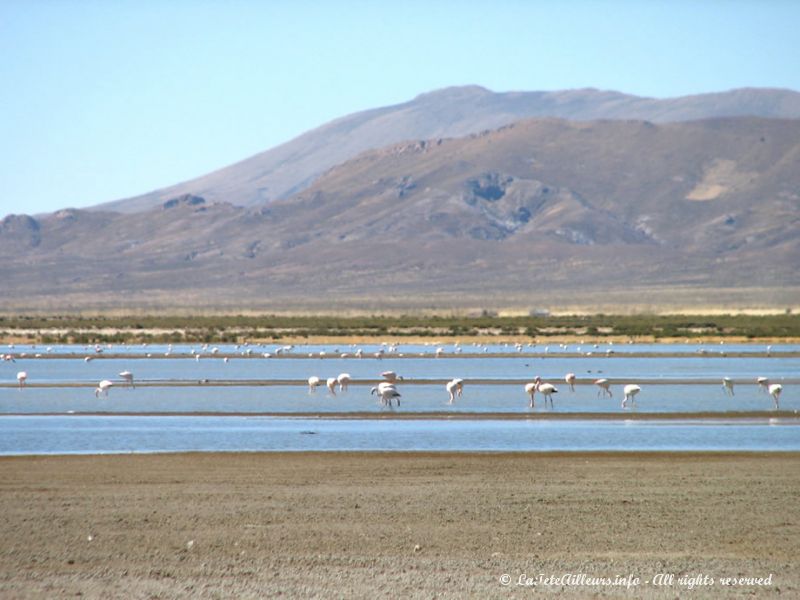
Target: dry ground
395 525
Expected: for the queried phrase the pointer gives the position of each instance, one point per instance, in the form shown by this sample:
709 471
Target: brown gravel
344 525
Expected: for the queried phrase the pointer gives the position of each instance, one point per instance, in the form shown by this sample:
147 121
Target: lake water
515 368
124 434
663 398
685 382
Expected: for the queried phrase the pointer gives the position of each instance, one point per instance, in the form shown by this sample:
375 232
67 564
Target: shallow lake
515 368
477 398
494 383
124 434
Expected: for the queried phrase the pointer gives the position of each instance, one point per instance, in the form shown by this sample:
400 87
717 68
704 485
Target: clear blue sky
101 100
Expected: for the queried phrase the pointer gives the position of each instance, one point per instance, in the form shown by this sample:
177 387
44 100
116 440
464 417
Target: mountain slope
452 112
541 212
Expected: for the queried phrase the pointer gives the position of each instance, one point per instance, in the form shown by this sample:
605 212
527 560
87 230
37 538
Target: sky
105 100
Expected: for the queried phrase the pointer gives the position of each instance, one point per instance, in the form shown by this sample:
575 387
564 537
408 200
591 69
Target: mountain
452 112
541 212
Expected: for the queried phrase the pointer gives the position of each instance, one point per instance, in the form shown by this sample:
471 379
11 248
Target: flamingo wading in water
313 382
331 383
344 381
386 391
605 387
454 388
775 391
570 379
102 388
22 377
530 389
547 390
727 386
630 392
128 377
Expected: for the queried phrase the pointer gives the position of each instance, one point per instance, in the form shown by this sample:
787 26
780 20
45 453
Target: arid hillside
289 168
543 212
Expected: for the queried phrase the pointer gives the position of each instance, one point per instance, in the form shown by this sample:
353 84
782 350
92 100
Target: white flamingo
530 389
344 381
102 388
775 391
22 377
391 376
605 387
313 382
570 379
128 377
630 392
763 384
454 387
727 386
331 383
386 391
547 390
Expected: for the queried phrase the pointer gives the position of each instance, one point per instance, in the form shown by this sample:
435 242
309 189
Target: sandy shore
398 525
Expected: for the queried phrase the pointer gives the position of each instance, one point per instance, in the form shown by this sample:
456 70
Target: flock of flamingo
386 390
388 393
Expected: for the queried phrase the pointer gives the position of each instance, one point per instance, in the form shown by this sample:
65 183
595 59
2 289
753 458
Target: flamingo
386 391
775 391
331 383
344 380
22 376
547 390
605 387
727 386
102 388
454 387
763 384
391 376
530 389
570 379
128 377
630 392
313 382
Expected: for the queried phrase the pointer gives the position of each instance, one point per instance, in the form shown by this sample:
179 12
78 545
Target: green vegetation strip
235 329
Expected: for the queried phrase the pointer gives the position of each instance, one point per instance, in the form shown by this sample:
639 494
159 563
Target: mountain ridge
541 212
456 111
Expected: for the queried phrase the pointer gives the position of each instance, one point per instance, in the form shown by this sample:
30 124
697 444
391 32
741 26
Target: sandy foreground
345 525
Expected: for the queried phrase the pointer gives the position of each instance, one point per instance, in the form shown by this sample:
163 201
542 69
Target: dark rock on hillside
184 200
22 230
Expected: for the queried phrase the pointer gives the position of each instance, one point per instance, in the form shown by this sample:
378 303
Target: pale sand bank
347 525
